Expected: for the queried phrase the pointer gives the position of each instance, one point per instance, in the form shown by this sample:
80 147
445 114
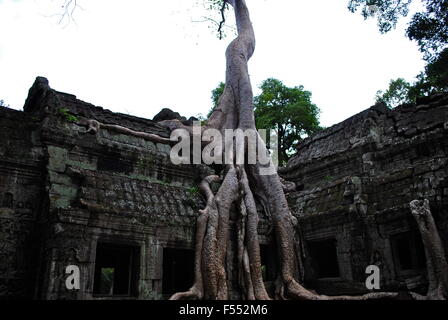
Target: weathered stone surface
63 192
79 189
21 191
168 114
355 181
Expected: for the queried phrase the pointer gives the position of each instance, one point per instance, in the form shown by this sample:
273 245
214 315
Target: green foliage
287 110
429 27
387 11
216 94
437 71
107 280
396 94
193 190
433 80
67 115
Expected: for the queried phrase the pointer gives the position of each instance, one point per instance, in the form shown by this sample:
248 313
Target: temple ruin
116 207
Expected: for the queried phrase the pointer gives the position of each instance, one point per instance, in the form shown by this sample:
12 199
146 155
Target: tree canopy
287 110
433 80
396 94
428 27
437 71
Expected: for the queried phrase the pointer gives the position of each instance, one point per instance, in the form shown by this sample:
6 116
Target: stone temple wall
21 188
116 207
354 182
72 191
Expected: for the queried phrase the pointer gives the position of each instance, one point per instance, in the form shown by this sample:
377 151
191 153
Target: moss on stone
65 113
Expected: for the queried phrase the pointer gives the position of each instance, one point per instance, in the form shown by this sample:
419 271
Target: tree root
436 262
297 292
94 126
196 292
252 245
242 186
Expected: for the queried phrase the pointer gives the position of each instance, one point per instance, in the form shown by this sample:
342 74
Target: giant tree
243 189
227 226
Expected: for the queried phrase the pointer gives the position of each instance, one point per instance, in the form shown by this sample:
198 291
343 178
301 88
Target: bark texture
436 263
244 187
93 126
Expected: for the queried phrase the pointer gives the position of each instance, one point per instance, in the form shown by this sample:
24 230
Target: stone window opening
178 271
116 270
324 259
408 253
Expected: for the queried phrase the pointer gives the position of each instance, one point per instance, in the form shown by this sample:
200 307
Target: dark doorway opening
116 270
408 252
178 270
268 262
324 259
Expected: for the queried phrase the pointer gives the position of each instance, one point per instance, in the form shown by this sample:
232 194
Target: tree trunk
245 184
243 187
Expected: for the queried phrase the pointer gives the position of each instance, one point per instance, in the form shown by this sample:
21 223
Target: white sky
138 56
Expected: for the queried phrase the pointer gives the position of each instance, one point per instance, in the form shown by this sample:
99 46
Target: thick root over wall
243 187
